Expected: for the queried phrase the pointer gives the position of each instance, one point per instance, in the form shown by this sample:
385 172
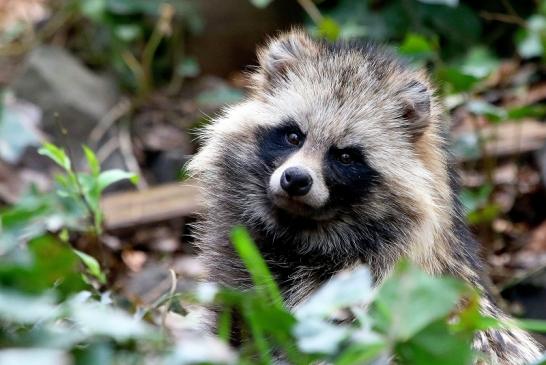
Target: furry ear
415 109
284 51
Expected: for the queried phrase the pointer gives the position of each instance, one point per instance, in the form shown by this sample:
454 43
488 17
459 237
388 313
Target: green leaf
34 356
26 309
56 154
260 339
320 337
110 177
530 41
456 81
97 353
99 319
329 29
399 306
417 47
529 45
35 214
92 161
256 266
534 325
93 266
436 344
360 354
49 263
537 111
473 199
188 68
480 63
94 9
342 291
203 350
128 32
458 27
491 112
484 215
275 319
261 3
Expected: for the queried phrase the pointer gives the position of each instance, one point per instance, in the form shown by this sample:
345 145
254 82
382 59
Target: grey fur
340 96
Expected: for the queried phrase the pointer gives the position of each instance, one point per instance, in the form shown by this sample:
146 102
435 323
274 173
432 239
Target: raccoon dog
337 157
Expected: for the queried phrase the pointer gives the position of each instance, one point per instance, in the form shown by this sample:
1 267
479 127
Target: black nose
296 181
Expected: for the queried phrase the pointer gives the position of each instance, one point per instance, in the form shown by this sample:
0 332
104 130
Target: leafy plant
411 316
84 187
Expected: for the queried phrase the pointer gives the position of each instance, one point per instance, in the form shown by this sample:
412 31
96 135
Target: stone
67 92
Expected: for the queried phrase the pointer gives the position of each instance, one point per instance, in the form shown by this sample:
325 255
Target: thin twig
509 8
178 55
135 67
121 108
519 278
107 149
167 305
312 10
126 148
504 18
162 29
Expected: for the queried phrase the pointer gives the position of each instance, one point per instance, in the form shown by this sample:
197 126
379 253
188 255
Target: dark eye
293 138
346 158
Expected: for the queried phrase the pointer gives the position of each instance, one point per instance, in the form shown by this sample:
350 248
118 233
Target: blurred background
134 79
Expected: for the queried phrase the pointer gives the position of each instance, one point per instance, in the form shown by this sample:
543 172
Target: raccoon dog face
333 150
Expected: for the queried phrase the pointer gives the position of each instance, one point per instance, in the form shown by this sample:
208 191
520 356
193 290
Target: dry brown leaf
134 260
13 12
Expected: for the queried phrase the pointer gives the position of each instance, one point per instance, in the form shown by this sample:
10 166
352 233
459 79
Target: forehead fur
341 94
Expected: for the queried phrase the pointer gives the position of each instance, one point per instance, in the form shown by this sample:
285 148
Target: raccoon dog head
337 148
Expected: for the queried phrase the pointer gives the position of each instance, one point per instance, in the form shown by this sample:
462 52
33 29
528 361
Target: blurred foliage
141 39
45 303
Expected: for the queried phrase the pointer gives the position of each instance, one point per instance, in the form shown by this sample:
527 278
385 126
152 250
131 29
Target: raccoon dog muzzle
298 184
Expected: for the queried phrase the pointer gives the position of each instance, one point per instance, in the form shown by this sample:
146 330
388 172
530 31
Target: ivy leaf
342 291
398 308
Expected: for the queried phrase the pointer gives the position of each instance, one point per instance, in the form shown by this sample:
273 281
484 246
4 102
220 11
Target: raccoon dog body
337 157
